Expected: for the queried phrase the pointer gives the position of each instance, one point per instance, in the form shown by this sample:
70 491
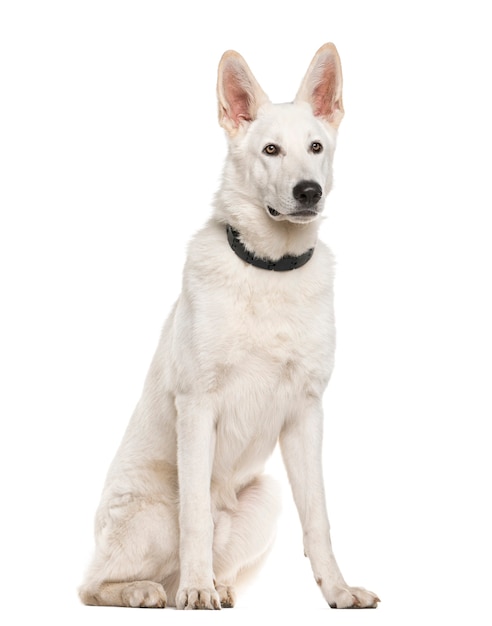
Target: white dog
243 361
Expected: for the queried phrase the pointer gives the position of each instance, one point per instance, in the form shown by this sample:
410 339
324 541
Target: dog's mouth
304 215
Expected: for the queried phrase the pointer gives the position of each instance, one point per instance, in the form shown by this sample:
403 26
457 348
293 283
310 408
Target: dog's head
282 153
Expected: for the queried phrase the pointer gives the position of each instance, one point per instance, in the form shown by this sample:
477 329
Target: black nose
307 193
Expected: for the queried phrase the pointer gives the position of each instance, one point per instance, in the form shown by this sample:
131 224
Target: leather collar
285 264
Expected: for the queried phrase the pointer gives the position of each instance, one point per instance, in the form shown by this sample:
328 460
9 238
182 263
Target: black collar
284 264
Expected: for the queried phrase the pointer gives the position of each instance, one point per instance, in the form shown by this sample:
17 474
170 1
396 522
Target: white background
110 155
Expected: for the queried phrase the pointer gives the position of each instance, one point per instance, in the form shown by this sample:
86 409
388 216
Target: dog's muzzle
307 195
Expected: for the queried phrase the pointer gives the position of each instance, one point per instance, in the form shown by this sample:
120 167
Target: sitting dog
243 361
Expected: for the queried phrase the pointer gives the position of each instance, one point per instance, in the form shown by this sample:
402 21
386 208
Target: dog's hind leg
243 537
137 551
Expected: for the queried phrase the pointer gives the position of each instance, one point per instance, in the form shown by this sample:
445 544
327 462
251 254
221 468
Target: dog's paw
197 598
227 596
144 594
351 598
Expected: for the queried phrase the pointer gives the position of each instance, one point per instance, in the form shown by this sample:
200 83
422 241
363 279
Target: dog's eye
271 149
316 147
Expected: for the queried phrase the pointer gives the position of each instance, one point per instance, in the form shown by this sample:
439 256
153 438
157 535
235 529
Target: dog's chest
254 327
267 349
269 334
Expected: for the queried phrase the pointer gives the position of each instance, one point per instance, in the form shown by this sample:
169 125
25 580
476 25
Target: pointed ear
239 94
322 85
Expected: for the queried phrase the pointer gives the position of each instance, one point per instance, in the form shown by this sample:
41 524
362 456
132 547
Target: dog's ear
238 93
322 85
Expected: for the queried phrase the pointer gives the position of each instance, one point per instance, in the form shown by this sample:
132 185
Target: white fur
242 363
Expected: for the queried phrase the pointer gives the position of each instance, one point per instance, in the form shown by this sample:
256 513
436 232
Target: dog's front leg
301 445
196 443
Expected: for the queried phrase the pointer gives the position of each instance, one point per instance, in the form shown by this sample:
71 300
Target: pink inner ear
237 97
325 92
